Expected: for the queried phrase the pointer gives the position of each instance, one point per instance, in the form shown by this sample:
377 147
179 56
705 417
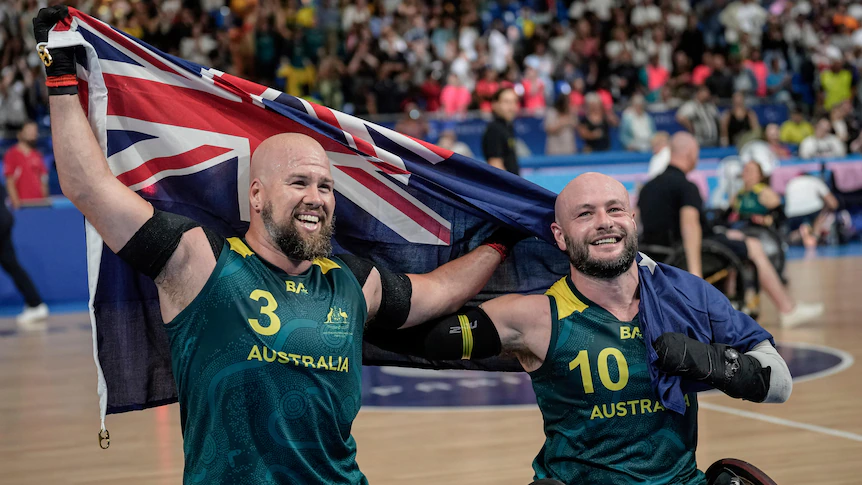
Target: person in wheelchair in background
756 203
672 217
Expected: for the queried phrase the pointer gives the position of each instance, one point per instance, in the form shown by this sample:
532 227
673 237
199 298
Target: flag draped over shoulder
181 135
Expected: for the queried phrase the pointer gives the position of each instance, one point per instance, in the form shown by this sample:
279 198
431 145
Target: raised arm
115 211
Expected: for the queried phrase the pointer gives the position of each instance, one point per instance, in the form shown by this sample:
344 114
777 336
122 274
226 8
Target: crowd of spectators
586 66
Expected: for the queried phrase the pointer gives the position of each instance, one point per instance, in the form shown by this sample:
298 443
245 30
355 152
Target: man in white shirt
700 118
822 144
807 202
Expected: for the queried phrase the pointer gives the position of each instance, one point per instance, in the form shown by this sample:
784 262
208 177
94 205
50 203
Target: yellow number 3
268 310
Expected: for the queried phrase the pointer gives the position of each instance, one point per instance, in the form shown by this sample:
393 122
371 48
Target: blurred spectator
24 168
758 69
637 127
772 135
796 129
576 97
756 201
720 82
498 142
691 41
560 124
699 117
660 154
807 201
449 140
738 121
843 120
455 97
486 87
836 82
595 126
654 76
534 92
702 71
822 144
778 82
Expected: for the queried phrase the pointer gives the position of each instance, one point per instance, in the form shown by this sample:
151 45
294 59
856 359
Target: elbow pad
149 250
467 334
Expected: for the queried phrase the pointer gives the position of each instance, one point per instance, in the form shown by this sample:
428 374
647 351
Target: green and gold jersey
603 420
268 373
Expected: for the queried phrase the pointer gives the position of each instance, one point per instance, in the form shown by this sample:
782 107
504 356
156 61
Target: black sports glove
724 368
59 62
504 239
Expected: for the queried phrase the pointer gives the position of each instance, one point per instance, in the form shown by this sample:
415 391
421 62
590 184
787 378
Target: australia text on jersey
337 323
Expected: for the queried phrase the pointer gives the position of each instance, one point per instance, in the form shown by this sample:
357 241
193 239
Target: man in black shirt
671 211
498 142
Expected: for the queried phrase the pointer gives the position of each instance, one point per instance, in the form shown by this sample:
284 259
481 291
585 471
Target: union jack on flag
181 135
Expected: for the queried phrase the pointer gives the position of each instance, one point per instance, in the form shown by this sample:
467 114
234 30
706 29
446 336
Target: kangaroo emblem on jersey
339 317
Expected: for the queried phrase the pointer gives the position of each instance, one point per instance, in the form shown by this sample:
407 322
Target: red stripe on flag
184 160
325 114
390 169
172 105
365 147
399 202
441 152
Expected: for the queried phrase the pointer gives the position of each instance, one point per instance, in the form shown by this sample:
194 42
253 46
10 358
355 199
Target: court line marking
780 421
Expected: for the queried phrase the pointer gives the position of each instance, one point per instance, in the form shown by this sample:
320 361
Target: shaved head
292 197
684 151
281 151
587 186
594 225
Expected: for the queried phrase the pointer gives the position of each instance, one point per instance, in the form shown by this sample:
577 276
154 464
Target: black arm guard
468 334
395 292
737 375
155 242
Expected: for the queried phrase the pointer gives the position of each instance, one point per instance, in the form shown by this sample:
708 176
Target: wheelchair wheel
730 471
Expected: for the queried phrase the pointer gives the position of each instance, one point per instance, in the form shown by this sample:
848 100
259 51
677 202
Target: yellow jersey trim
567 302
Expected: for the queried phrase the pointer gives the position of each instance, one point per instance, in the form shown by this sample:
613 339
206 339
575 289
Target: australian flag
181 135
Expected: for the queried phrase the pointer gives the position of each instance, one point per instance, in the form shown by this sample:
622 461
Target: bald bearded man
266 330
582 346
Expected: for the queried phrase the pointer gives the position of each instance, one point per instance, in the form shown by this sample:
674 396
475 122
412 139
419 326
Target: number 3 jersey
603 420
268 373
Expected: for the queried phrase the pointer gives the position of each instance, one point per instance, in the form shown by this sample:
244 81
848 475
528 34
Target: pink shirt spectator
455 99
534 95
699 74
576 101
760 72
485 89
656 77
607 98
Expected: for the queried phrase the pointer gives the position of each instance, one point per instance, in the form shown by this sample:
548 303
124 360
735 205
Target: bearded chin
579 256
293 243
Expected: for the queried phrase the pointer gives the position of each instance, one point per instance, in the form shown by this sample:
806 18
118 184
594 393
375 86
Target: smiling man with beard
265 330
582 344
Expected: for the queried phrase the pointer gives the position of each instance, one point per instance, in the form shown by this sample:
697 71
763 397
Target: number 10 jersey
603 420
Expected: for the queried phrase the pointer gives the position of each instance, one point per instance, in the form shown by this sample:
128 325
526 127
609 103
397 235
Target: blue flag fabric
181 135
673 300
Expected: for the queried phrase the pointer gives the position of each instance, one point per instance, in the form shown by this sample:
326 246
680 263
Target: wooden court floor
49 415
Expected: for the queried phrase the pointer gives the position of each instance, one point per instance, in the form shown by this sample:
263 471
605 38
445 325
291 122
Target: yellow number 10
582 361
